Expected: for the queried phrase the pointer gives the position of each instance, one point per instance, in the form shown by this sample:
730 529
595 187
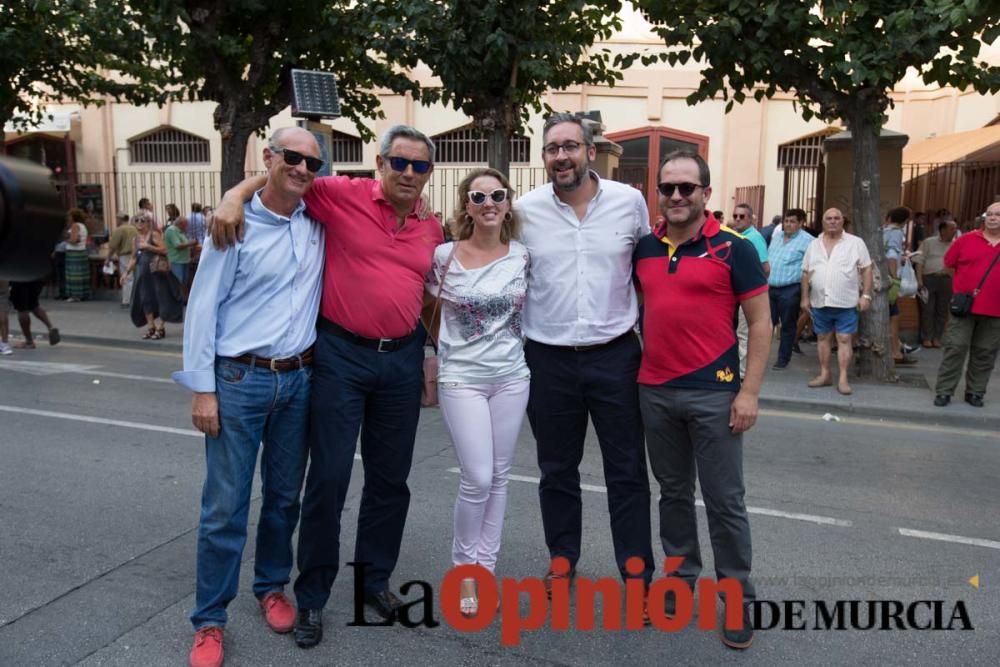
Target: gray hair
406 132
557 118
748 207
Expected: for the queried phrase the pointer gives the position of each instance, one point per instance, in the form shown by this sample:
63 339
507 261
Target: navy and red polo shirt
691 293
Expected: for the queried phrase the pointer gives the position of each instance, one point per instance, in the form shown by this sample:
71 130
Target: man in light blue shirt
251 324
785 256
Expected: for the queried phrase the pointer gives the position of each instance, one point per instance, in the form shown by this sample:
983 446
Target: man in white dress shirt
580 231
835 270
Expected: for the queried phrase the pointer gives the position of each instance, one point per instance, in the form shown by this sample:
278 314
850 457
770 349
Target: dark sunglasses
293 158
740 216
401 163
686 189
498 196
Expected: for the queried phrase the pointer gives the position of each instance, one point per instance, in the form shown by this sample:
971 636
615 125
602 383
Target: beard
579 173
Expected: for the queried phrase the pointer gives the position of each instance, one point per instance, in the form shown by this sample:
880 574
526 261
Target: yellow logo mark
725 375
974 581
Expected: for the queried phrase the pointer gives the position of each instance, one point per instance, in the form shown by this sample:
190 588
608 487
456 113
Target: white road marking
883 423
43 368
943 537
125 376
101 420
812 518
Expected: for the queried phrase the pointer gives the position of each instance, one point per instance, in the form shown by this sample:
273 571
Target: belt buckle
271 365
380 342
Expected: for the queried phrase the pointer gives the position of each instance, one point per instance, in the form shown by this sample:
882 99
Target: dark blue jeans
255 405
566 387
356 389
785 309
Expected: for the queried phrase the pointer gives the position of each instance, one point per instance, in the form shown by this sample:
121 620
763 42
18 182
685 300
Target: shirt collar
270 217
709 228
379 196
593 175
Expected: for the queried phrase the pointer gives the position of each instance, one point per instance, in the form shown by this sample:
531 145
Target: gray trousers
934 314
687 434
975 336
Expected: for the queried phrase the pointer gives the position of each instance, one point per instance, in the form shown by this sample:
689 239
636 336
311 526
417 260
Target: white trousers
123 262
484 421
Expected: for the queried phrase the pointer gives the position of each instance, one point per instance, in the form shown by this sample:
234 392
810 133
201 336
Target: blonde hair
461 224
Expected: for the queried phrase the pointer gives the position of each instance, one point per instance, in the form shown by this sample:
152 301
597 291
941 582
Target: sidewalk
104 322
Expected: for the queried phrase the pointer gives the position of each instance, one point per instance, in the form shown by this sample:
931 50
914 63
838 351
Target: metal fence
104 194
753 195
964 188
803 188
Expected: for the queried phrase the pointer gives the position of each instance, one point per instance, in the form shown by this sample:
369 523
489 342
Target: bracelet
866 296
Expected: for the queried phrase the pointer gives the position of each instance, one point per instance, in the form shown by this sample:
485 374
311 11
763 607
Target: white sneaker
5 349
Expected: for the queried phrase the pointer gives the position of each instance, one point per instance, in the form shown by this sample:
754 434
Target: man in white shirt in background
835 266
580 231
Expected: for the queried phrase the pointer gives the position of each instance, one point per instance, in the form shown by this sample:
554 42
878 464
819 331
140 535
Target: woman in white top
482 378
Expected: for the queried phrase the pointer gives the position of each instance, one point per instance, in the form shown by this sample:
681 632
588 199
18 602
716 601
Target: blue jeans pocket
231 372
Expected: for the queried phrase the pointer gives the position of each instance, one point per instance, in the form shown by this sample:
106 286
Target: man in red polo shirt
977 335
693 274
367 366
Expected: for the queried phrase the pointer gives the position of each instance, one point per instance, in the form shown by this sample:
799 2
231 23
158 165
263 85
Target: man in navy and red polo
367 368
693 274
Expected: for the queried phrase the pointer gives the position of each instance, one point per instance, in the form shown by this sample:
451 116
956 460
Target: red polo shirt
970 255
373 280
690 294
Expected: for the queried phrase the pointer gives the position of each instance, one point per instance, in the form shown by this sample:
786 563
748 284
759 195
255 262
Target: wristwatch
866 296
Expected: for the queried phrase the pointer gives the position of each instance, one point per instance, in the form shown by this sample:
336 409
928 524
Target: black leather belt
277 365
377 344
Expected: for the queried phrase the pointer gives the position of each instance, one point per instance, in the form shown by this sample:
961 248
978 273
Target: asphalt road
100 475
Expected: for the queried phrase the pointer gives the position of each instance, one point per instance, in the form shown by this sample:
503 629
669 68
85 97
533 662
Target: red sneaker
207 649
278 612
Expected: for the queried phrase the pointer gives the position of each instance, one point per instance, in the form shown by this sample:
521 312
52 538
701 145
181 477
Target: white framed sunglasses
478 198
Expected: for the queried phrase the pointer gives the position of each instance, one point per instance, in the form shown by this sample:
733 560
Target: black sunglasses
293 158
498 196
740 216
686 189
401 163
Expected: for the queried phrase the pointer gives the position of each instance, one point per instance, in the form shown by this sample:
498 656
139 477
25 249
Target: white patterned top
481 341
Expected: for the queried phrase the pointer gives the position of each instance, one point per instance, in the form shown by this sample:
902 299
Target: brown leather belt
277 365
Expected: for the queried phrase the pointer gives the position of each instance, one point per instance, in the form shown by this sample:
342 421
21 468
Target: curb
932 416
124 344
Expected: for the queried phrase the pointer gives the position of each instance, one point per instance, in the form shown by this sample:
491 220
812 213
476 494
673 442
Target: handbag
961 302
428 392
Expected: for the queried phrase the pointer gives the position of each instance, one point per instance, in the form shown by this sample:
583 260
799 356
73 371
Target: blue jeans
785 309
180 271
255 405
358 389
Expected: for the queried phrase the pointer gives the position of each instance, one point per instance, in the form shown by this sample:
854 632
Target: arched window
168 145
466 146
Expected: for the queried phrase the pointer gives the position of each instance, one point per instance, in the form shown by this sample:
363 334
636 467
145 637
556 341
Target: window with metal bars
169 146
466 146
345 149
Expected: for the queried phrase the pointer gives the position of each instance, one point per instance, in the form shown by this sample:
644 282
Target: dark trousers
687 432
567 386
357 388
785 309
976 337
934 314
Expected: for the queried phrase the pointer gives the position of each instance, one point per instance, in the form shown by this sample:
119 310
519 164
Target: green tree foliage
497 58
75 50
840 59
240 53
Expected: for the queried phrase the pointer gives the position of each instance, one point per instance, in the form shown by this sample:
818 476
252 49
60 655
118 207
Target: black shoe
942 400
975 400
384 603
779 366
742 638
308 627
796 349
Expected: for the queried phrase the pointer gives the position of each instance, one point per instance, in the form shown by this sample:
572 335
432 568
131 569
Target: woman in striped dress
77 259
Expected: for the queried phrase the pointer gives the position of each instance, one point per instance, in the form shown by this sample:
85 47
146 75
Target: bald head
296 134
833 222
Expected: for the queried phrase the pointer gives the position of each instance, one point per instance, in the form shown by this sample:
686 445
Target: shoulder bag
428 393
961 302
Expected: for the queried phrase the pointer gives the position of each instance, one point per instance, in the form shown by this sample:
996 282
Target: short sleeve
747 272
321 195
432 282
864 257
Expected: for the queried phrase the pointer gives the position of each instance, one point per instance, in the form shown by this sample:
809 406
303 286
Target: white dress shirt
258 297
835 280
580 281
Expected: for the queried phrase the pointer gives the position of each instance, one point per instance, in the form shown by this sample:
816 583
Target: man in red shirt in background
367 365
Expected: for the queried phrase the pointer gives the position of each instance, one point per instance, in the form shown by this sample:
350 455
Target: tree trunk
498 148
235 127
875 354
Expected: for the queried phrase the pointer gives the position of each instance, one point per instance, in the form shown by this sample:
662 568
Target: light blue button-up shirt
785 257
258 297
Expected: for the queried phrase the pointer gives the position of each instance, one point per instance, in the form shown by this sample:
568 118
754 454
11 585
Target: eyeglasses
686 189
570 148
401 163
293 158
740 216
478 198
